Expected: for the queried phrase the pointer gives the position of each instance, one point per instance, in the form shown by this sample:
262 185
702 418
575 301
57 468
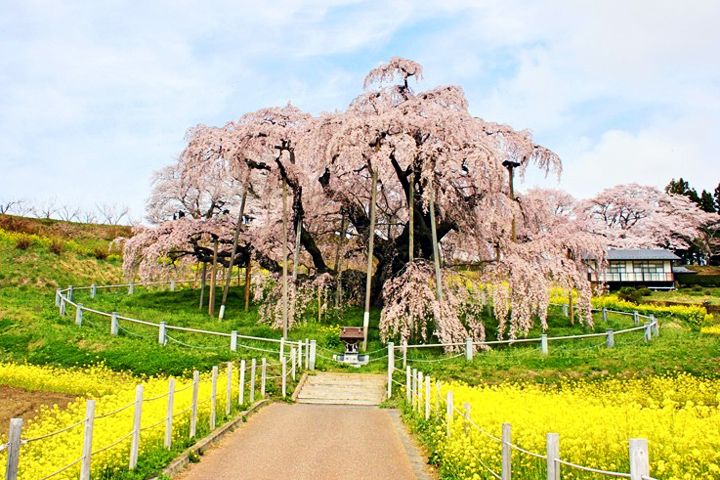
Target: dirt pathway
314 442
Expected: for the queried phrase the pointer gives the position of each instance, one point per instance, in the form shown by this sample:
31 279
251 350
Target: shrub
629 294
100 253
644 291
696 288
23 242
57 246
708 292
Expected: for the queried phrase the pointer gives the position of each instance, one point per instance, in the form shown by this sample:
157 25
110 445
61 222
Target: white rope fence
64 298
428 402
242 385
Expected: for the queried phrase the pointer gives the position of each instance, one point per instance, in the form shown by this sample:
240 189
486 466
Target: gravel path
314 442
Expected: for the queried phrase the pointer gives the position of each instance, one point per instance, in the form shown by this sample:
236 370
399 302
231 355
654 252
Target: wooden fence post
655 325
449 412
70 293
170 409
404 351
13 454
293 354
427 397
506 452
636 318
213 398
233 340
553 453
131 288
543 344
284 377
610 340
408 384
62 306
604 314
282 348
253 368
307 353
263 377
468 349
413 387
193 409
162 339
391 368
137 420
57 297
313 353
419 389
87 440
93 291
228 405
172 285
565 310
648 333
79 314
639 459
241 394
114 323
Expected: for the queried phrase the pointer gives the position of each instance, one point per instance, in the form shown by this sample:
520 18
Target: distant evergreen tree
706 202
717 197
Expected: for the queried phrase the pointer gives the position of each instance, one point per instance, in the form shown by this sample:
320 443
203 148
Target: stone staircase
343 389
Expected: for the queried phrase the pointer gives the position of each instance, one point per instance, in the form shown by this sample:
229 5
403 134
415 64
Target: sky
97 95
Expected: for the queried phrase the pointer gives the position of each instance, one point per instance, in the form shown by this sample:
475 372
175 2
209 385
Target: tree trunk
436 249
234 248
213 278
368 282
411 218
202 285
296 256
247 284
285 258
338 261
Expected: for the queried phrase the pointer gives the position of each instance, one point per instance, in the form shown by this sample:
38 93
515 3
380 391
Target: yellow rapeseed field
111 391
678 415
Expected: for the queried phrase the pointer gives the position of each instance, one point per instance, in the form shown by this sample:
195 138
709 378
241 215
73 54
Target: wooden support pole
284 377
169 418
253 374
213 279
506 451
408 384
194 405
233 341
553 453
371 243
247 285
137 422
79 314
87 440
338 261
543 344
263 377
391 368
213 398
639 459
114 323
285 260
13 454
241 387
610 340
436 248
466 418
411 217
427 397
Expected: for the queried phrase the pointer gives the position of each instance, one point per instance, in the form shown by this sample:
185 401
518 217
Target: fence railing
424 396
469 348
245 382
64 298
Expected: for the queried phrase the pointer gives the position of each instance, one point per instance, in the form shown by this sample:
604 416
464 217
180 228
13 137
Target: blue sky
95 96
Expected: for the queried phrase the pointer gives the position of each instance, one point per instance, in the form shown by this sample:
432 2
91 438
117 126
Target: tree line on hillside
105 213
708 202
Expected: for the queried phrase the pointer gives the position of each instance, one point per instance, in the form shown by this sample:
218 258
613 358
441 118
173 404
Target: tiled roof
642 254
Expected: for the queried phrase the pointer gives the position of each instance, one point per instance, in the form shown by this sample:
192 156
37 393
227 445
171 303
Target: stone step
343 389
